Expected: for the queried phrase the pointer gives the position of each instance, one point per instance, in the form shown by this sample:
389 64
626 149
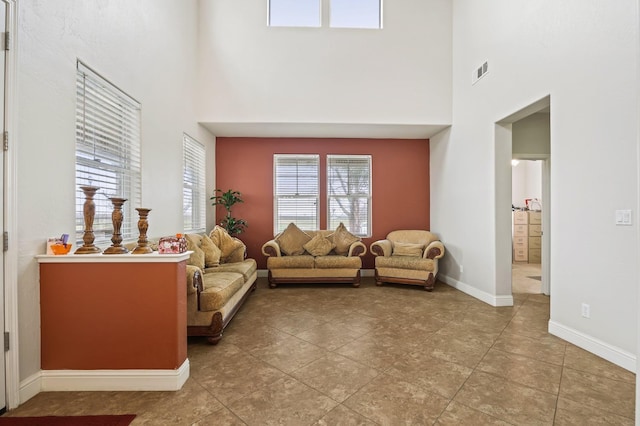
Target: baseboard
506 300
30 387
104 380
604 350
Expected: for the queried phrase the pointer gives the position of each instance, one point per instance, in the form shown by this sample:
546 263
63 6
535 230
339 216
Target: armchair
408 257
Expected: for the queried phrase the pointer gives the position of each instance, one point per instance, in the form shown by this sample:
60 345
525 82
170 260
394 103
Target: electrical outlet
586 310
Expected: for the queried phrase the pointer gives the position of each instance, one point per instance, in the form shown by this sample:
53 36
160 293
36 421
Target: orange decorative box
173 244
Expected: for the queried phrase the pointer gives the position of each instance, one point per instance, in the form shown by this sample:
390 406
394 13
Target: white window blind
193 192
349 193
107 152
296 190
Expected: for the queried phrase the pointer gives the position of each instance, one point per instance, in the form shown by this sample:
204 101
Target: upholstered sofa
219 280
408 257
298 257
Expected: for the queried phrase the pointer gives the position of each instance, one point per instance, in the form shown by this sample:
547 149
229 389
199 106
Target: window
107 152
349 192
193 192
294 13
308 13
296 190
356 14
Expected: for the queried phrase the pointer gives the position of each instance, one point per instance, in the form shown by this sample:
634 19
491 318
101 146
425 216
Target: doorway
523 135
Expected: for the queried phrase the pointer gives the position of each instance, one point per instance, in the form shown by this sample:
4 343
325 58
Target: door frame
12 364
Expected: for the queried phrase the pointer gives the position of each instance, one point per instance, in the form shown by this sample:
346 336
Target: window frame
360 195
278 224
108 144
194 165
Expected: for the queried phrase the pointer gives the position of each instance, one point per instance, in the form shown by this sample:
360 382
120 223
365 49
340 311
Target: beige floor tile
336 376
285 402
459 415
596 391
507 400
222 417
370 352
570 413
579 359
434 375
232 378
342 416
520 369
330 336
549 350
389 401
290 354
183 407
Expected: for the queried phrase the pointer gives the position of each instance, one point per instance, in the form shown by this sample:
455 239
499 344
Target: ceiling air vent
479 72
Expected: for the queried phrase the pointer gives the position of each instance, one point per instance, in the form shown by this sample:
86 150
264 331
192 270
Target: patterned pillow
211 251
407 249
343 239
292 240
319 245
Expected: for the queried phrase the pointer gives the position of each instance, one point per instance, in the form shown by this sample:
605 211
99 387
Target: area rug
118 420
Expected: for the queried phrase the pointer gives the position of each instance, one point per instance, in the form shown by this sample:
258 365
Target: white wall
526 182
253 73
148 49
584 55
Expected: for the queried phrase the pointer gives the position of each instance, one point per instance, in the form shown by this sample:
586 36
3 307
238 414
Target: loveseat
408 257
299 257
219 280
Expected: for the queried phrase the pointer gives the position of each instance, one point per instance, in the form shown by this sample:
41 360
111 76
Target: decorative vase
143 226
116 218
89 211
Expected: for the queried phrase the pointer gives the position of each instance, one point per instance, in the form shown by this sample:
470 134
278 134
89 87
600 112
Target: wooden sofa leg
430 283
271 283
216 329
377 278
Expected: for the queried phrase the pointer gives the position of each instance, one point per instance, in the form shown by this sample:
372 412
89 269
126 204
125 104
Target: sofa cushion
338 262
292 240
407 249
405 262
227 244
319 245
343 239
211 252
303 261
247 268
193 244
219 287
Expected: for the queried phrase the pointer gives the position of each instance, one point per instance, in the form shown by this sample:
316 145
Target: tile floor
391 355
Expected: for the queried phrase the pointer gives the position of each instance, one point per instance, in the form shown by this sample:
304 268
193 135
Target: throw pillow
292 240
319 245
211 252
225 242
407 249
343 239
197 257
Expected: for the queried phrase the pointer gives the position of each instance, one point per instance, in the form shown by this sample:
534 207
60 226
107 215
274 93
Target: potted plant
227 199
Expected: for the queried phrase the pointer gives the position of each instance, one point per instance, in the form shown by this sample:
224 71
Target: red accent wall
400 182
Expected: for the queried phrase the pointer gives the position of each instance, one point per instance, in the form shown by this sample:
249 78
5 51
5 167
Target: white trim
12 358
604 350
105 380
497 301
154 257
30 387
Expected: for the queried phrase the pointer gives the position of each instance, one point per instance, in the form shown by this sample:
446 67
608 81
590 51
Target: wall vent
480 72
